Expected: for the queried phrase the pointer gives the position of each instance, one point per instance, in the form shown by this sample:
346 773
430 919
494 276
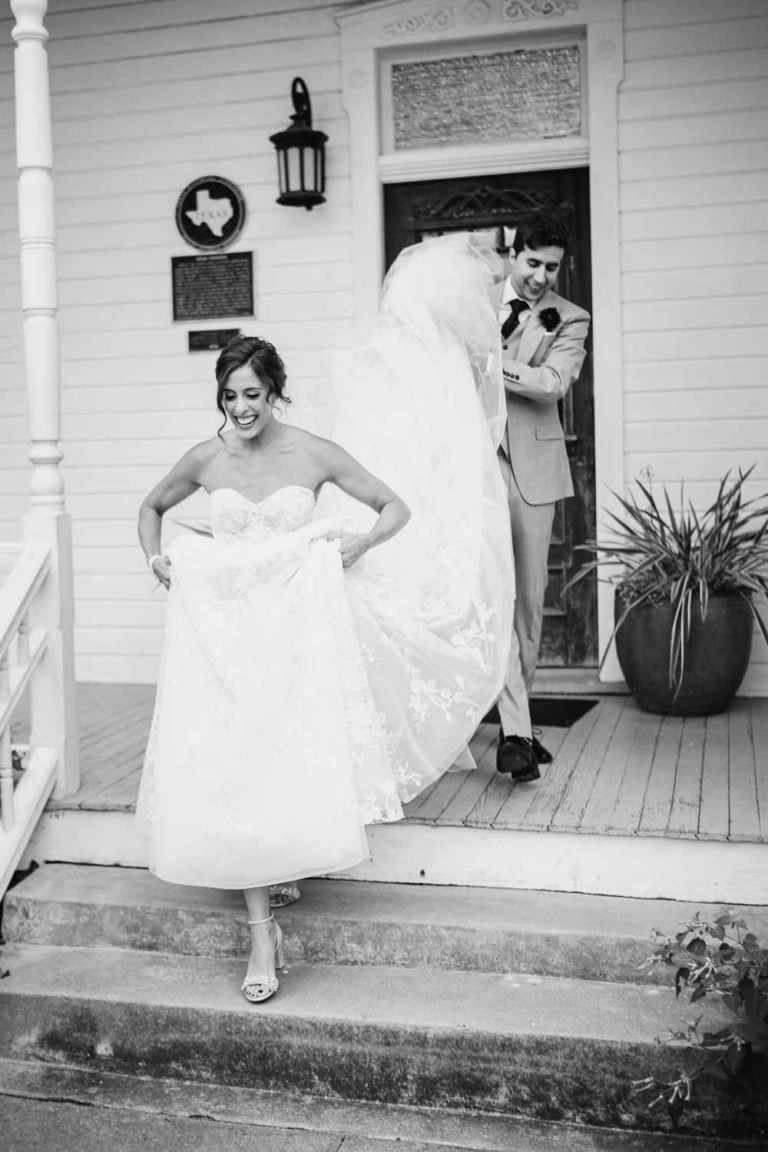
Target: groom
542 337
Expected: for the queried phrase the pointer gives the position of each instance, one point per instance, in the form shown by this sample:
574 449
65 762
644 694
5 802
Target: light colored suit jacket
536 376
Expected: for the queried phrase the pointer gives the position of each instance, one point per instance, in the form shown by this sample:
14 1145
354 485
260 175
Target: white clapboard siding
86 17
748 64
709 404
147 97
694 252
696 36
692 100
710 313
744 280
276 56
148 613
640 15
740 436
728 188
187 93
693 139
695 343
662 163
707 128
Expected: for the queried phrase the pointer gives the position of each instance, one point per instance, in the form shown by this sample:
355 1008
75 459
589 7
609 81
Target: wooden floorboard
744 818
413 807
491 800
616 771
605 793
657 804
576 795
550 790
760 749
514 811
628 807
686 794
714 819
439 797
483 748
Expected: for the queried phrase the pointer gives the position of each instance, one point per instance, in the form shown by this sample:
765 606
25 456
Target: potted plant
686 588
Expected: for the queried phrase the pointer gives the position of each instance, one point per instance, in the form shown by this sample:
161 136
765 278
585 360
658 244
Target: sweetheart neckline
258 503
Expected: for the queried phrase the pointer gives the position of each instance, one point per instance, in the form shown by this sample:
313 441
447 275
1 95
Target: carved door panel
416 210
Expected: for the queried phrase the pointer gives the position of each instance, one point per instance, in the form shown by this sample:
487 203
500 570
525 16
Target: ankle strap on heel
265 921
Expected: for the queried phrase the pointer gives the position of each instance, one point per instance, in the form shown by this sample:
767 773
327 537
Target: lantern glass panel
310 168
282 172
293 174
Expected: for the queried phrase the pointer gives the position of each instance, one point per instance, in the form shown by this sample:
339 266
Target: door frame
368 36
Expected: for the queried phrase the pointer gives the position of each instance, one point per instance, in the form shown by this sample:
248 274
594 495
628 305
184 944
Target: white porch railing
27 633
36 596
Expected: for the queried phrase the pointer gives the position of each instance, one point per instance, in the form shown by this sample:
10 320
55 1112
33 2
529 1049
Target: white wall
148 96
694 183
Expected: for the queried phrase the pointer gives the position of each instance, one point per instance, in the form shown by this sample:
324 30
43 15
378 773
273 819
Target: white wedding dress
298 702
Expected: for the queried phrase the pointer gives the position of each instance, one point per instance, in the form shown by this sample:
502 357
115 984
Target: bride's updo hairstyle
264 360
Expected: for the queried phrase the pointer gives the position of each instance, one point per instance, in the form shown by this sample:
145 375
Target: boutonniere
550 318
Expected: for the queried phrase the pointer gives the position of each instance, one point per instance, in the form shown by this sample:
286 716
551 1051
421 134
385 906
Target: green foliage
724 960
659 555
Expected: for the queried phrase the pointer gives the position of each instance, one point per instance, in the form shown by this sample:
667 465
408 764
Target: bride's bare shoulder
307 442
207 450
319 447
199 457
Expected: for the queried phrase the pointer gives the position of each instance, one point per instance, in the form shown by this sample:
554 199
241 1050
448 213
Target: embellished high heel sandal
258 987
281 895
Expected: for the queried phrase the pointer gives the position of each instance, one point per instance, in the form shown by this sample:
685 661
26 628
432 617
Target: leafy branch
723 959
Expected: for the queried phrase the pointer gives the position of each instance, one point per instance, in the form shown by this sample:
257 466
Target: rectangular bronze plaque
211 338
209 286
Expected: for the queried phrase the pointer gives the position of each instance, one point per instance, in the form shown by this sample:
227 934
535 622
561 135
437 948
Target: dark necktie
512 321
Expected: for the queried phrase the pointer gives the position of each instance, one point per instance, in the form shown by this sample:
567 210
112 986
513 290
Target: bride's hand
351 547
161 569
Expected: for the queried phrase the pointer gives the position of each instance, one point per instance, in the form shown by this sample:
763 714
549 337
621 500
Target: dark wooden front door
414 211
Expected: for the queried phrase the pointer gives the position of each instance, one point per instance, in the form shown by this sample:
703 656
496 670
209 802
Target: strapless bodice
284 510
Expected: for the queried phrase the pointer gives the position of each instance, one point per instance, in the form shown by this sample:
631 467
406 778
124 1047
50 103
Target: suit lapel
534 331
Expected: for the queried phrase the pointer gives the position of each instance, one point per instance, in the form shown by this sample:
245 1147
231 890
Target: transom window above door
533 91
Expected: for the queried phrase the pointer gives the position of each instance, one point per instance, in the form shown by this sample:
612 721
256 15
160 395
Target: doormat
552 711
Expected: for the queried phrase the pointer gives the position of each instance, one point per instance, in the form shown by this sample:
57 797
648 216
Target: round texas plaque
210 213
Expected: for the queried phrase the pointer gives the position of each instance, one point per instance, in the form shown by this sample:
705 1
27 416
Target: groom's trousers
531 533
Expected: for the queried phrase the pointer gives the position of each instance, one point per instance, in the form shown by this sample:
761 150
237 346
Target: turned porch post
53 687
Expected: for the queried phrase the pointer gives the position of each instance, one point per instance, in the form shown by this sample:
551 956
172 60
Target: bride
331 648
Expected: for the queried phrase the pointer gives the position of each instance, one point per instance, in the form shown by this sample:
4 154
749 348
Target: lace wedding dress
298 702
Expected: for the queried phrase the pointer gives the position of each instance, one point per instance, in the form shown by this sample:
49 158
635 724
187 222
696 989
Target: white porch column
53 688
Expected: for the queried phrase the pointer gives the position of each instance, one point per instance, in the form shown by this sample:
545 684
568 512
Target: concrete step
534 1047
644 867
353 922
43 1108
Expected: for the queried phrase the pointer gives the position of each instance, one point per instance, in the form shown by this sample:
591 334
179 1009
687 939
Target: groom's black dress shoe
542 754
515 755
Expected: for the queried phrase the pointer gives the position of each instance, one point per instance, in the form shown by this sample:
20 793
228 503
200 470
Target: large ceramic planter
716 659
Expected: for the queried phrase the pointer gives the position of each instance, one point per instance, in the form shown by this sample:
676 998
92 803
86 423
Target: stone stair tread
360 923
504 1005
409 903
215 1116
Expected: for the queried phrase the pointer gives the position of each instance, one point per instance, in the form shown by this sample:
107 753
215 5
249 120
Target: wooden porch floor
617 771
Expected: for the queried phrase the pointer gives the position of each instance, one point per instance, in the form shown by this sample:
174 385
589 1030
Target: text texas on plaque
210 213
206 287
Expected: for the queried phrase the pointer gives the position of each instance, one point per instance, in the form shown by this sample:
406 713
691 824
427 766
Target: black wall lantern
301 154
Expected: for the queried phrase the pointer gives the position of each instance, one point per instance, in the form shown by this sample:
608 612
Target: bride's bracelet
151 562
